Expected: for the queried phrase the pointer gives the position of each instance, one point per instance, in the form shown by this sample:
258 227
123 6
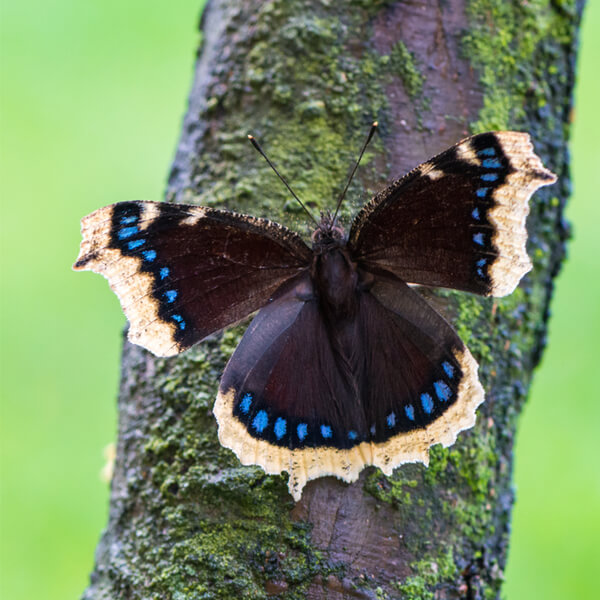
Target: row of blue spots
261 422
487 163
490 161
130 230
442 391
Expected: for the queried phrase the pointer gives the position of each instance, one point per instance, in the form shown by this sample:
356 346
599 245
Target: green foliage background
92 95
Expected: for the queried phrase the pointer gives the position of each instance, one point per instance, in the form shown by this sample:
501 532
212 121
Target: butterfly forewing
183 272
458 220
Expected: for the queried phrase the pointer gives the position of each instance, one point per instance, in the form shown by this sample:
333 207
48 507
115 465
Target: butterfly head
328 234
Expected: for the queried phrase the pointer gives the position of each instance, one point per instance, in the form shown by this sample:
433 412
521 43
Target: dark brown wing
183 272
317 398
458 220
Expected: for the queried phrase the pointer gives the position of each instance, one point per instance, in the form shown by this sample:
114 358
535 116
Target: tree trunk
307 78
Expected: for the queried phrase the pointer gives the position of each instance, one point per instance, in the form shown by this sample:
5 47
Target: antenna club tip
375 124
250 136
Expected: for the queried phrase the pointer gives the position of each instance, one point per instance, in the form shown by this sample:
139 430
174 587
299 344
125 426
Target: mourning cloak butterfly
344 365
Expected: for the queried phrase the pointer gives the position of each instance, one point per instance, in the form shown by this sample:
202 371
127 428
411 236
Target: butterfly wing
316 398
458 220
183 272
420 384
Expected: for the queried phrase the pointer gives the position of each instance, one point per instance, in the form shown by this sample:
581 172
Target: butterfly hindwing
313 398
458 220
183 272
421 384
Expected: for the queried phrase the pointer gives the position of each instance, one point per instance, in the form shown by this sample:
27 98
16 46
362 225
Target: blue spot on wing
442 390
352 435
302 431
149 255
487 152
280 427
478 238
410 412
326 431
246 403
427 403
127 232
489 177
180 320
481 192
260 421
476 214
164 272
491 163
391 420
448 368
128 220
171 295
135 244
480 263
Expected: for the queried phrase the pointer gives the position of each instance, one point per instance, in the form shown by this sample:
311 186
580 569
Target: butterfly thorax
336 280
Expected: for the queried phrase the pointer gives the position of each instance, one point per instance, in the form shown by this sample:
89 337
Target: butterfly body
344 365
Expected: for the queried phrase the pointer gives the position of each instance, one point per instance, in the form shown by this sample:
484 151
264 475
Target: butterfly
345 364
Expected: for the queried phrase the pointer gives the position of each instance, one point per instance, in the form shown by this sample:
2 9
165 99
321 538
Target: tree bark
307 78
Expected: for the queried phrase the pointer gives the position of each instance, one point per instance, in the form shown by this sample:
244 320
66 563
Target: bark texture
307 77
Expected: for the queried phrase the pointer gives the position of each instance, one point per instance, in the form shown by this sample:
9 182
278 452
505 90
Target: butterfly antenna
369 138
287 185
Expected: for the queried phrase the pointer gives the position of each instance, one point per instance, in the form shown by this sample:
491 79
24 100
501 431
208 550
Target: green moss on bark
404 63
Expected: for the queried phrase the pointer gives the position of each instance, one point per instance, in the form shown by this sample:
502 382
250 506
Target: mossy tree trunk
307 78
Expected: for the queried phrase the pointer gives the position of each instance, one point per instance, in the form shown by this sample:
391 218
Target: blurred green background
92 96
